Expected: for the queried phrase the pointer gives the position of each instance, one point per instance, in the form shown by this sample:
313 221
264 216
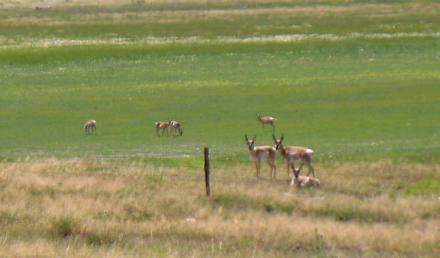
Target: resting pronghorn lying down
258 153
304 181
90 127
177 128
295 153
162 126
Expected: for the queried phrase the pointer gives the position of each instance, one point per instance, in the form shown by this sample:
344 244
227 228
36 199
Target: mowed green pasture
355 81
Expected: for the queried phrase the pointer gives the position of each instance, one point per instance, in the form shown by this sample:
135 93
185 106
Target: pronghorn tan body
162 126
177 128
90 127
264 120
258 153
304 181
291 154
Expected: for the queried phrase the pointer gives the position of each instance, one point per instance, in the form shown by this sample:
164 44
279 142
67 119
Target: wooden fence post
207 172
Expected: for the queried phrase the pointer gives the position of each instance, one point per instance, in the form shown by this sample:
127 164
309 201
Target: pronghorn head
278 143
157 124
295 181
250 143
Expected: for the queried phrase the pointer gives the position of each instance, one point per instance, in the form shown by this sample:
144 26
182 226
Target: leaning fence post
207 176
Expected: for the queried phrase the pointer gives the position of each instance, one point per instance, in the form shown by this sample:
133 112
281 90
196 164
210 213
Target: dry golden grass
84 208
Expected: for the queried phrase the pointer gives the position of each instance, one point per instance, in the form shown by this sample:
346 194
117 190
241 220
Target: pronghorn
42 7
294 153
90 127
266 120
304 181
257 153
162 126
176 127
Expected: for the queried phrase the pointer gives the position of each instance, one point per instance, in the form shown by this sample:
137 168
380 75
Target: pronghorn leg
292 165
256 169
311 170
308 162
300 167
258 163
292 181
273 168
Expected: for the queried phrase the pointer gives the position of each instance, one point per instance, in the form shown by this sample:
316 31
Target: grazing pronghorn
266 120
90 127
162 126
294 153
304 181
257 153
176 127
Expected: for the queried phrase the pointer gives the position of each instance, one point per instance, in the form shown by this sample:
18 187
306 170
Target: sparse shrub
244 202
319 246
278 207
349 213
235 201
100 238
136 213
425 186
7 218
41 191
65 227
154 181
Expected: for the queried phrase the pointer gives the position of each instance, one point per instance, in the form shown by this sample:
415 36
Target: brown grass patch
96 208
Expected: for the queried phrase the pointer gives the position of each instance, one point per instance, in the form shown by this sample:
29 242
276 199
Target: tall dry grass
87 208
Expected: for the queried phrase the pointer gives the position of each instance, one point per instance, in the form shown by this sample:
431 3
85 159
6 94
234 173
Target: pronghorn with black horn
294 153
258 153
266 120
304 181
162 126
90 127
177 128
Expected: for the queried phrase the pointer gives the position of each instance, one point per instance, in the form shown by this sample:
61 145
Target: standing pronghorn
162 126
90 127
294 153
257 153
176 128
266 120
304 181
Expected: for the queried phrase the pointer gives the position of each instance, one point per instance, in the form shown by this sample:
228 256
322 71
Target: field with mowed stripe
356 81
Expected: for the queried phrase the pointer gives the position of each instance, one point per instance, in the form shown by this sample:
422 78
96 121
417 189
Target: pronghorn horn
255 137
282 137
274 138
246 138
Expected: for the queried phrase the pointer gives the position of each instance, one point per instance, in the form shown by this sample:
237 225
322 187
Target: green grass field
366 96
357 81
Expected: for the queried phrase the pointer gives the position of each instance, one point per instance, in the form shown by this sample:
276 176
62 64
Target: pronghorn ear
255 137
246 138
274 138
282 137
